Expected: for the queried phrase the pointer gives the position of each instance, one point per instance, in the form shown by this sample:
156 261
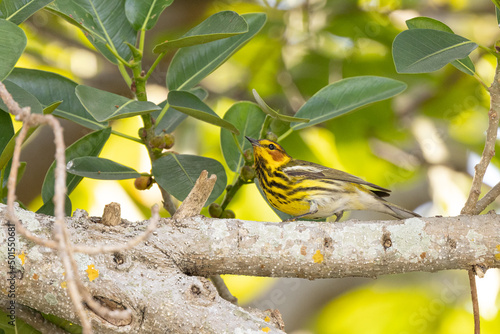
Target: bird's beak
254 142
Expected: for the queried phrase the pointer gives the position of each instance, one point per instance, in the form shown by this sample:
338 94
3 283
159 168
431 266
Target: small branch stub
194 202
112 214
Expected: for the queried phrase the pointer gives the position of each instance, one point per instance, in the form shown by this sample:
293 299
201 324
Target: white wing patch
305 169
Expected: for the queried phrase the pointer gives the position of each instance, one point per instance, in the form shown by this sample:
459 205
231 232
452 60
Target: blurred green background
422 144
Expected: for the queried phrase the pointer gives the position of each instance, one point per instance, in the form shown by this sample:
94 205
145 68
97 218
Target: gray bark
162 280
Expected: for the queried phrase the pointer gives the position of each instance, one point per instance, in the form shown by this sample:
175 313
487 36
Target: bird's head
269 152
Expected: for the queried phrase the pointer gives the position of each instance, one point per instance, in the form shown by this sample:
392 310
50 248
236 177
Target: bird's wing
299 168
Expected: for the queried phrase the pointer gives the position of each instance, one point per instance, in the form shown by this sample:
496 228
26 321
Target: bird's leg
339 215
312 210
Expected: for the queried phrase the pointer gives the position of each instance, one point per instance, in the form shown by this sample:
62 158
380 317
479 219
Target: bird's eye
271 146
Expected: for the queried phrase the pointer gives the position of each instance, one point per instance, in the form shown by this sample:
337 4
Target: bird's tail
398 211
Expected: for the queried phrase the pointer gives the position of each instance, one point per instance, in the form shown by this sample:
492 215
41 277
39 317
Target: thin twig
475 303
222 289
168 204
20 113
489 145
11 197
487 199
471 205
61 234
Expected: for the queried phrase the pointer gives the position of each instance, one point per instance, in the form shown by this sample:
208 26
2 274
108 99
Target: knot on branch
111 310
202 293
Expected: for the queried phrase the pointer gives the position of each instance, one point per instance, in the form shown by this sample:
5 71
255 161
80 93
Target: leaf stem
265 127
286 134
489 50
162 113
232 191
480 80
118 57
141 40
157 61
124 74
237 143
123 135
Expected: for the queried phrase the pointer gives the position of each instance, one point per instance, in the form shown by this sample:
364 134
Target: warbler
307 190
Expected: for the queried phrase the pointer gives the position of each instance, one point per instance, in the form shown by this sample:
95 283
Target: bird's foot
338 216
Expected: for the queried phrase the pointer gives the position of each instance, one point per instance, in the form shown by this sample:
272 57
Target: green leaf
247 118
177 173
105 106
6 134
346 95
8 151
6 129
172 117
144 14
48 207
465 65
191 105
218 26
66 325
109 25
17 11
190 65
273 113
90 145
497 14
22 97
427 50
49 88
497 3
20 328
12 44
20 173
7 138
5 181
100 168
78 16
50 109
423 22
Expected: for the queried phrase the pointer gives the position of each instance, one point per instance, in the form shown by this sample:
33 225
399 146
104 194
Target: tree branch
157 280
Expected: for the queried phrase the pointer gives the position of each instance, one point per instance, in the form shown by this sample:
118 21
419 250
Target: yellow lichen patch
92 272
22 257
266 329
497 256
63 284
498 248
318 257
267 319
